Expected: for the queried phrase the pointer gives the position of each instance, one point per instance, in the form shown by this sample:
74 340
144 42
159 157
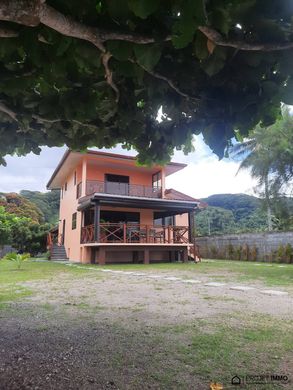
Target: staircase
194 253
58 253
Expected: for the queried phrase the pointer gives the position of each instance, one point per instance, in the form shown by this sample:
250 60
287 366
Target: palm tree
258 160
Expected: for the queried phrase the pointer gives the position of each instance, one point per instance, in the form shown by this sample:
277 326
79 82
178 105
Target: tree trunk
268 204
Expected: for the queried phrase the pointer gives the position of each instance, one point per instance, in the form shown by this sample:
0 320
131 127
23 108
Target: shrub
17 258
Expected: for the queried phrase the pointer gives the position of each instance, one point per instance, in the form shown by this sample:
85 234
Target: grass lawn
114 331
270 274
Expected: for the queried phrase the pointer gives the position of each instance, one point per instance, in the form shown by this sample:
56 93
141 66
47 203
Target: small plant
288 253
230 252
17 258
280 253
238 253
253 253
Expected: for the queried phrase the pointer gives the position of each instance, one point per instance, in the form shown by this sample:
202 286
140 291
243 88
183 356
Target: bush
17 258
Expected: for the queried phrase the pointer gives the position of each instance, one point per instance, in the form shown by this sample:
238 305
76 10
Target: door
116 184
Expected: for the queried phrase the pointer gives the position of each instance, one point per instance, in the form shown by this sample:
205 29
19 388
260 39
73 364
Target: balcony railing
114 188
135 234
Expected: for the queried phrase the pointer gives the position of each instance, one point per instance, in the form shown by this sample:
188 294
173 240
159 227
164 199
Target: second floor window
74 178
157 181
74 215
65 187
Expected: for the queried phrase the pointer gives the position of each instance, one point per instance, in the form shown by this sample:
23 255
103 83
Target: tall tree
96 72
269 157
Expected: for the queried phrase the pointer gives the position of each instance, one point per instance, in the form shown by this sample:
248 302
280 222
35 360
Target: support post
102 255
97 222
185 255
146 259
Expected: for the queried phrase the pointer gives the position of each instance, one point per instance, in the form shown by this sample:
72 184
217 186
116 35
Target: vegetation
240 213
269 157
17 258
102 74
22 233
47 202
19 206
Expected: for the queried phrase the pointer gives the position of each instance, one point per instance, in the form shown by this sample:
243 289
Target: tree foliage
241 213
47 203
19 206
269 157
99 76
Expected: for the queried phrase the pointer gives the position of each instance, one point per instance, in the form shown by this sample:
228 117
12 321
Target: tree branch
8 111
217 39
168 81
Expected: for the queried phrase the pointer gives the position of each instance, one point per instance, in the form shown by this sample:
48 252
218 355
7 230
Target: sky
205 175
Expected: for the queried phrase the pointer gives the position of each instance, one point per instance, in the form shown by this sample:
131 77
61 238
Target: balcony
114 188
125 233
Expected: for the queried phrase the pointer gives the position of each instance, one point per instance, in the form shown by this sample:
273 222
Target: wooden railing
54 238
135 234
96 186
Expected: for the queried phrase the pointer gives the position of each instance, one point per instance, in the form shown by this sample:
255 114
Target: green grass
221 270
218 350
11 278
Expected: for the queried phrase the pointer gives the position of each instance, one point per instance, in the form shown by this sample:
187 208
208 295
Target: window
74 215
61 192
74 178
157 180
65 187
116 184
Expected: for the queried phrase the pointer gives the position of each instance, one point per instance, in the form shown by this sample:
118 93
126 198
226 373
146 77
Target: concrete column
102 255
83 177
97 222
185 255
86 255
146 259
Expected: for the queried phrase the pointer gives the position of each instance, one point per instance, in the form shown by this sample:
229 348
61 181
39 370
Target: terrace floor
159 326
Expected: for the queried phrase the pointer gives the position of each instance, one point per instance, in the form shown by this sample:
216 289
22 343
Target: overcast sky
204 176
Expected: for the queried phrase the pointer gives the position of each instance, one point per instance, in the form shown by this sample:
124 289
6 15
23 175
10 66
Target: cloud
204 176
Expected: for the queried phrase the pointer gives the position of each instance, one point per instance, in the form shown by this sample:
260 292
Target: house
113 210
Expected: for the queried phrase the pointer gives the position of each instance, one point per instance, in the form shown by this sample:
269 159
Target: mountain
241 205
47 202
237 213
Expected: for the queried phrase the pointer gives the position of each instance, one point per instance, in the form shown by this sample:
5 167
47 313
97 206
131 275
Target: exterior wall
97 172
248 246
146 215
68 206
182 220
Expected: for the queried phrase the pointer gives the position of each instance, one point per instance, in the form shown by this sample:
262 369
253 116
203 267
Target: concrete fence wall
273 246
6 249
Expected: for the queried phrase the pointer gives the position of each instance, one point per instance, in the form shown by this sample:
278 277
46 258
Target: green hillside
236 213
47 202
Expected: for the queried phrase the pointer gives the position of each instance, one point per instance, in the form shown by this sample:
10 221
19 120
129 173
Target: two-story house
112 210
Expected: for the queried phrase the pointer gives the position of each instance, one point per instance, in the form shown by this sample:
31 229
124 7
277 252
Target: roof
180 206
71 159
177 195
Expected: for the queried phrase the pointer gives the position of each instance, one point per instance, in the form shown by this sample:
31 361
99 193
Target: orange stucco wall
135 177
87 170
68 206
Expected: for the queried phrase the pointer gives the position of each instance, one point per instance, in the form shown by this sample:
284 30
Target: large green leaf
143 8
148 55
121 50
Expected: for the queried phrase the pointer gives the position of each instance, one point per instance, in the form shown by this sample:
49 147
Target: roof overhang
72 159
162 205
